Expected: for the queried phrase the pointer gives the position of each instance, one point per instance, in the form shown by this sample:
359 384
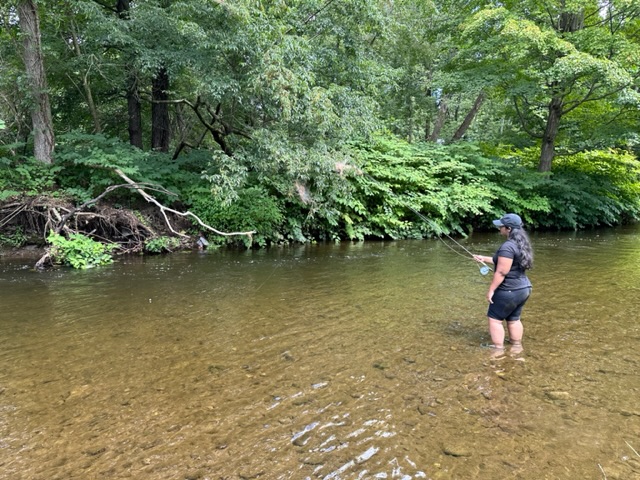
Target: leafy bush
25 176
86 166
162 244
446 184
79 251
15 239
254 210
597 187
585 189
87 163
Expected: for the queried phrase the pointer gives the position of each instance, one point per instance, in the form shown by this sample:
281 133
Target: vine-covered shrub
254 210
79 251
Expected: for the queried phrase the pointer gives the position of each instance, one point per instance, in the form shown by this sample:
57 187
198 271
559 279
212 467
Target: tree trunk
568 22
44 140
134 110
86 84
571 22
550 133
466 123
440 118
160 126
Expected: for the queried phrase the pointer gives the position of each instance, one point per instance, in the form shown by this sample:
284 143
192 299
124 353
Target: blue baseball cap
510 220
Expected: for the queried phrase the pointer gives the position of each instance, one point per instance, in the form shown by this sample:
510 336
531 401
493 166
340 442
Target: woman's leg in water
496 330
516 331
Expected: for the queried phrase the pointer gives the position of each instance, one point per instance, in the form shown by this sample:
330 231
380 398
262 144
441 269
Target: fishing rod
484 269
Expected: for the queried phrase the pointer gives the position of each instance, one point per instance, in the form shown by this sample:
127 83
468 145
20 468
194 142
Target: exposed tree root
128 230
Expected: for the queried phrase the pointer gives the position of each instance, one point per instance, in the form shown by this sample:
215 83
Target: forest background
129 126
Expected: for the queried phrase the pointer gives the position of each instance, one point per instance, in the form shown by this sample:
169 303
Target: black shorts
507 304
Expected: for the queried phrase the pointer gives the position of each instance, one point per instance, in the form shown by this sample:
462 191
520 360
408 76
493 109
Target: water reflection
333 362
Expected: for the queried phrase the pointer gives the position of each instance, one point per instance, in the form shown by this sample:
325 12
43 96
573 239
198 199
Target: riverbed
331 361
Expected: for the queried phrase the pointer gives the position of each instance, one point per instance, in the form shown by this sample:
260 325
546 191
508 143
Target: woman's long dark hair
520 237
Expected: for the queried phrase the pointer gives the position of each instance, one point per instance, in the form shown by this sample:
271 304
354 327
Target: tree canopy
253 78
269 97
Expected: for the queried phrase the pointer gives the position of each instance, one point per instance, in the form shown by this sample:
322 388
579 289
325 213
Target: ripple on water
339 362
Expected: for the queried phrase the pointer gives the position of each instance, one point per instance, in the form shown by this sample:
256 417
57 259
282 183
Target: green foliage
15 239
446 184
254 210
26 176
86 166
594 188
79 251
162 244
87 163
460 187
583 190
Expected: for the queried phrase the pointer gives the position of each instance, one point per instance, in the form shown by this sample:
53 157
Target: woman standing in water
510 287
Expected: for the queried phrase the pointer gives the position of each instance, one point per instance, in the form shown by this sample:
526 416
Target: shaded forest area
132 126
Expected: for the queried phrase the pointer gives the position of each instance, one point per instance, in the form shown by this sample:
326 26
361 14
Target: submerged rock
456 450
558 395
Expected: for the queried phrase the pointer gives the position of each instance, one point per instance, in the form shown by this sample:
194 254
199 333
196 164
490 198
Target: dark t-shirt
517 277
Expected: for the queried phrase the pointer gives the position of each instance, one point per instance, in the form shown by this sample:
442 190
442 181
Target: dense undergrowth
364 191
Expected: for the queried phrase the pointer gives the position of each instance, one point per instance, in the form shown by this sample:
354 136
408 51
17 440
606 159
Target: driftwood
105 223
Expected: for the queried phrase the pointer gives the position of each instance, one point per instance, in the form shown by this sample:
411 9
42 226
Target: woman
510 288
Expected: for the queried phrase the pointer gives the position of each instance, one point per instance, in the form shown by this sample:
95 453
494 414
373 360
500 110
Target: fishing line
269 277
484 269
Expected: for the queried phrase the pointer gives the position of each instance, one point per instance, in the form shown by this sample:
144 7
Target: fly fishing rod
484 269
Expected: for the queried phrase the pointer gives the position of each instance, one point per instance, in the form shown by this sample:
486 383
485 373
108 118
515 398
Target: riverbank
28 252
28 223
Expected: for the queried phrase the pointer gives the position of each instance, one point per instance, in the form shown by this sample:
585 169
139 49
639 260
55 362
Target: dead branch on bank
164 209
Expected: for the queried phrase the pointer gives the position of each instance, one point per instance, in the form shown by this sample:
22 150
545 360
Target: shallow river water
351 361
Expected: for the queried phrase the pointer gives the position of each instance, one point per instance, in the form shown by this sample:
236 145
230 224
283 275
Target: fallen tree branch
10 217
164 209
70 213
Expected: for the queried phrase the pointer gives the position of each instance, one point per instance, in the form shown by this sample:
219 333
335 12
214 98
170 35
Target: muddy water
356 361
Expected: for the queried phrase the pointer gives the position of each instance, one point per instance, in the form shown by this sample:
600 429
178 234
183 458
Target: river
350 361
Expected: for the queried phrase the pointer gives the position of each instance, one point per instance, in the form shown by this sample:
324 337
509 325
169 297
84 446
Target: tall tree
160 123
556 59
44 139
134 108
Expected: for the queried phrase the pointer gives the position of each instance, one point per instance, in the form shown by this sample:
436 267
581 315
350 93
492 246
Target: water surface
351 361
